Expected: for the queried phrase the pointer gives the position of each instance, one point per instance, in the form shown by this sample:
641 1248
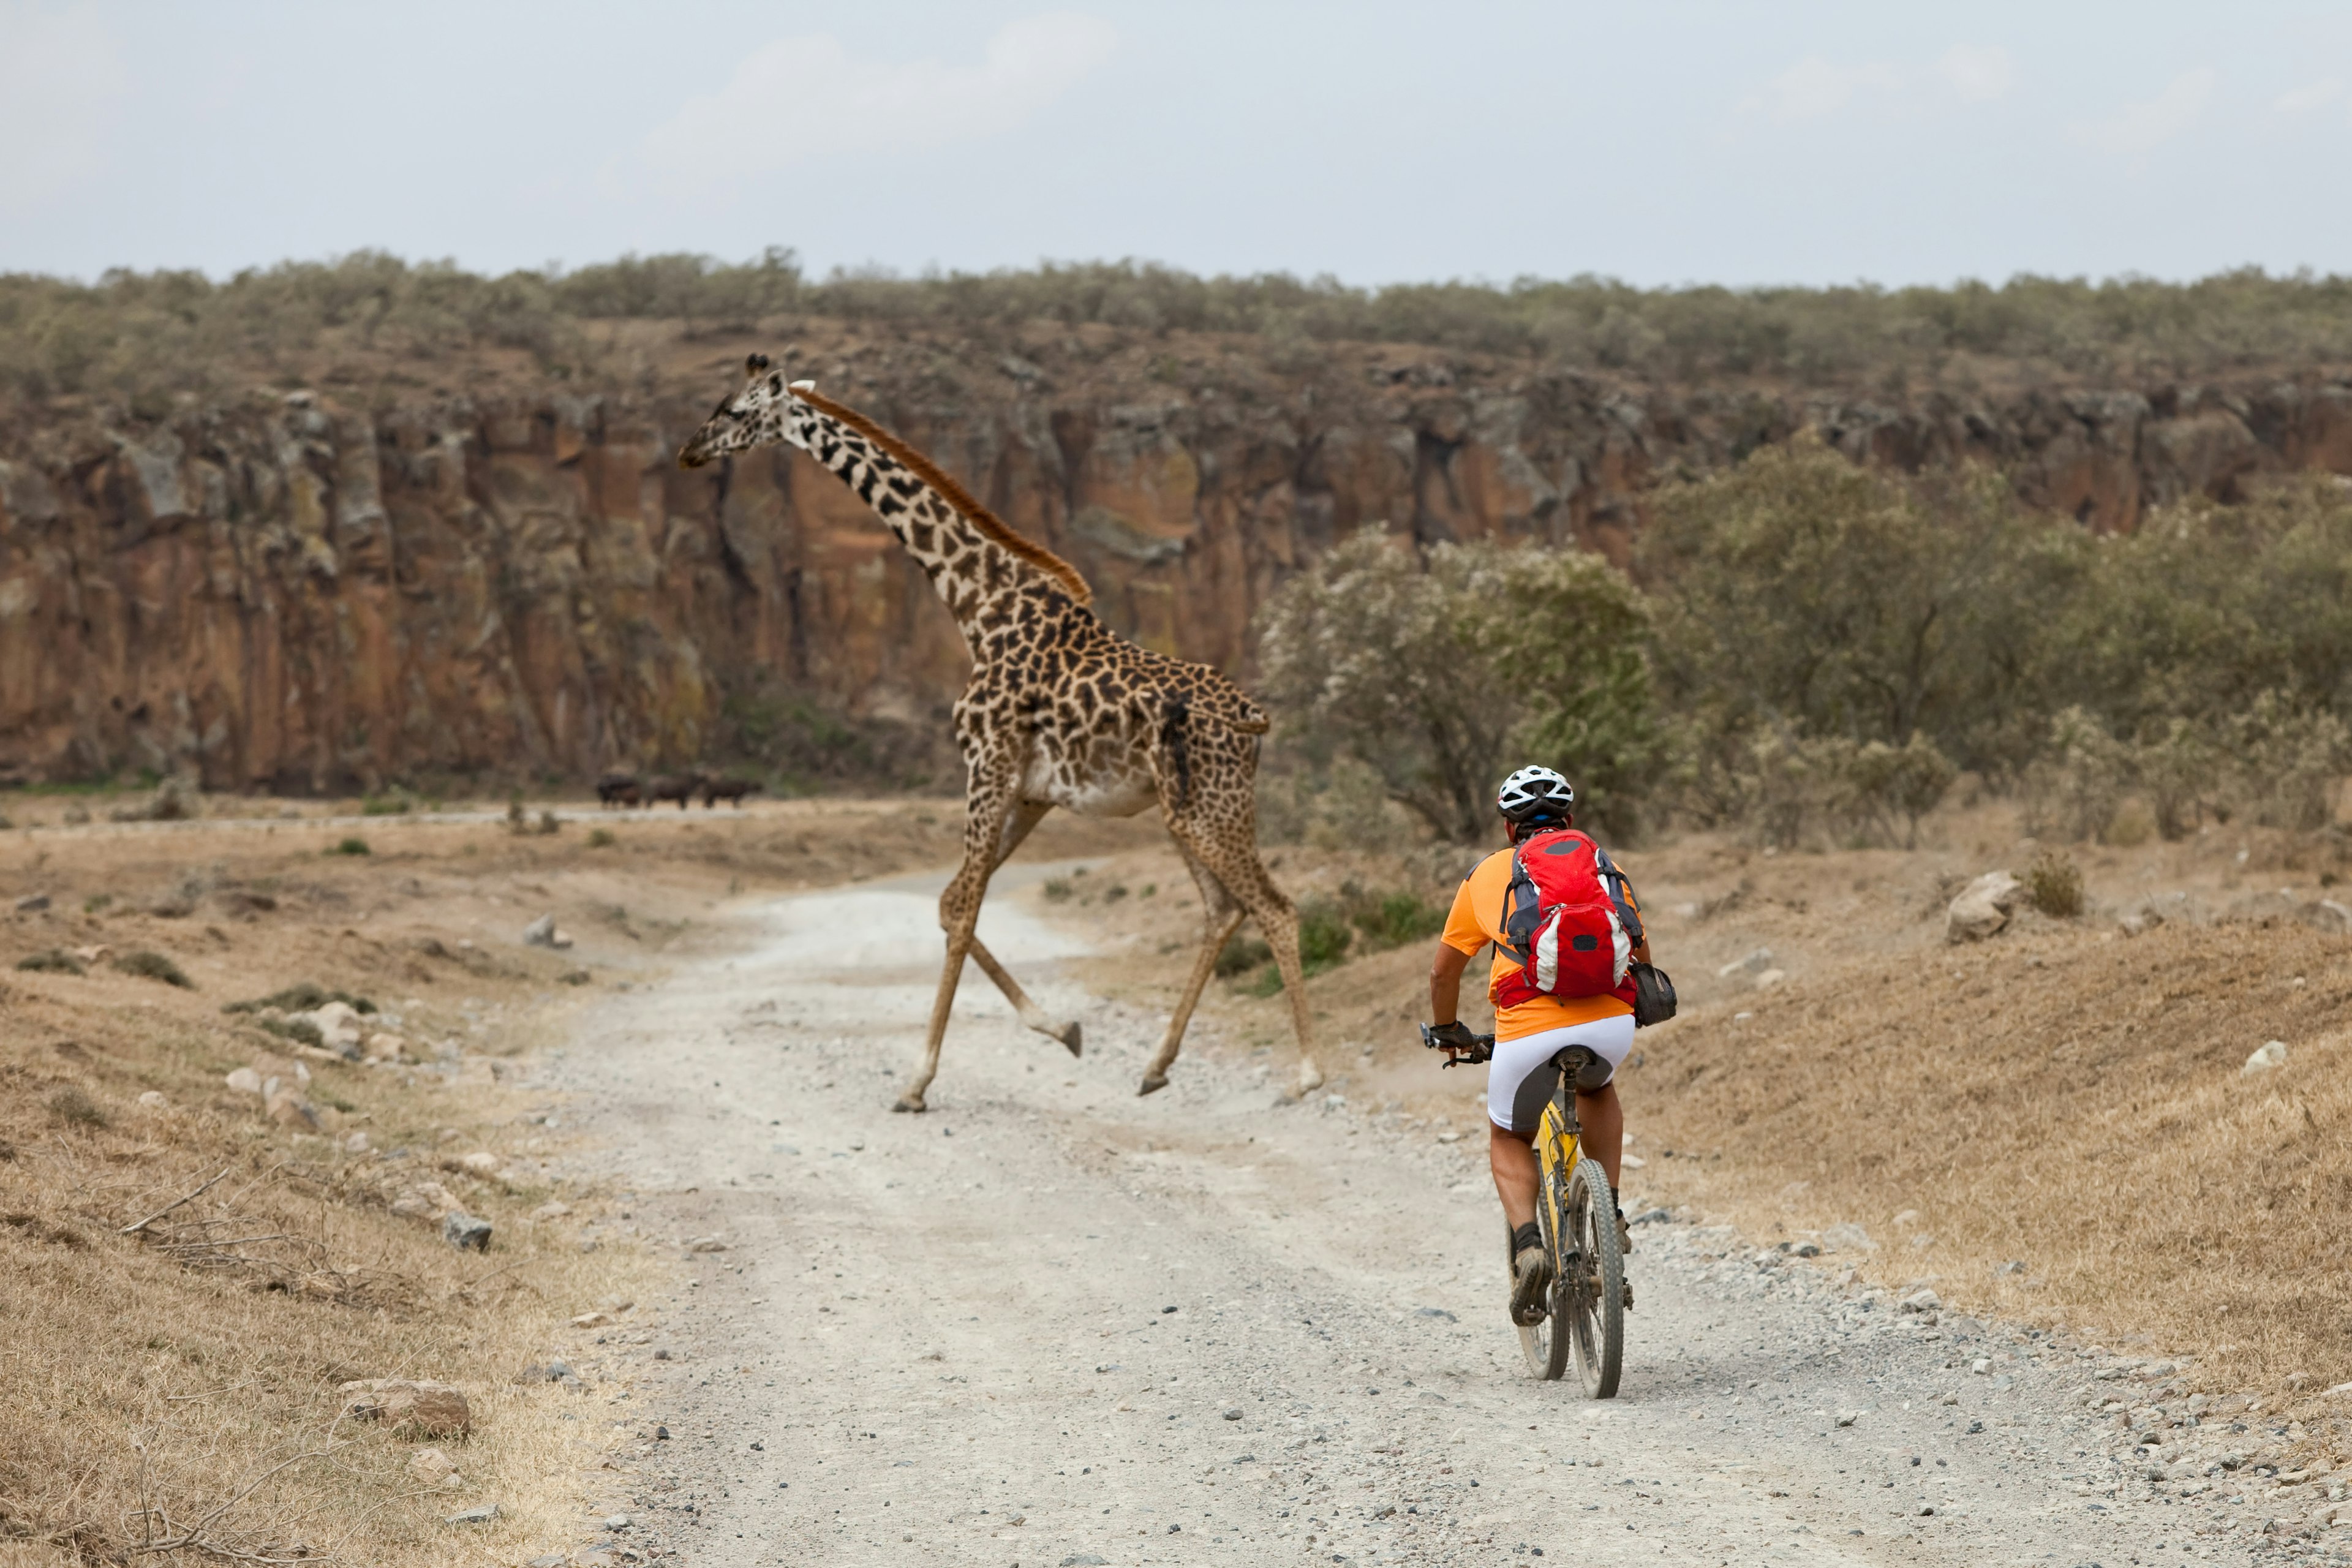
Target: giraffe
1059 710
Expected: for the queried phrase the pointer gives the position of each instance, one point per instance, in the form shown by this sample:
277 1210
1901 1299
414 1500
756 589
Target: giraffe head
754 416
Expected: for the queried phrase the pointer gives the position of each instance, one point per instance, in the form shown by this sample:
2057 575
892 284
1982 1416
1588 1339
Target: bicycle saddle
1589 1072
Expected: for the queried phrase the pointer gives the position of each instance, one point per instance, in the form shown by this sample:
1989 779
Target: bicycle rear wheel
1591 1296
1542 1342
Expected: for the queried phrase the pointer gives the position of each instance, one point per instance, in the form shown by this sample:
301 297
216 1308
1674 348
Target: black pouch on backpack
1654 994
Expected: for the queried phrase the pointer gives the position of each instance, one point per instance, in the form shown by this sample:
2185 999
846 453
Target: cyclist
1527 1035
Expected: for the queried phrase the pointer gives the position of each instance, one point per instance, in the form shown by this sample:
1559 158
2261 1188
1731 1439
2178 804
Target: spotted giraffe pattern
1060 710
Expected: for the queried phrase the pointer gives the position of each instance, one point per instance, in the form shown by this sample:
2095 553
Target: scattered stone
618 1521
288 1109
244 1080
1770 978
481 1162
1081 1560
1234 1414
482 1515
433 1467
2327 915
1805 1249
423 1408
1438 1312
1981 1366
1922 1301
1848 1417
339 1025
544 933
32 903
154 1099
357 1143
554 1208
464 1232
1848 1238
552 1560
1756 962
706 1244
1983 906
592 1321
385 1046
2270 1054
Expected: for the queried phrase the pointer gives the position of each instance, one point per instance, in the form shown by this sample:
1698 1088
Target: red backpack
1568 920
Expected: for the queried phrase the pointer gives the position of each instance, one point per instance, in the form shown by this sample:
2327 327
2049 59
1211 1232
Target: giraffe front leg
989 800
959 943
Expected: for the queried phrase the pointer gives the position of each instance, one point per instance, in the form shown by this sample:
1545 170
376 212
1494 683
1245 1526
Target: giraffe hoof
1072 1035
1310 1078
913 1102
1152 1084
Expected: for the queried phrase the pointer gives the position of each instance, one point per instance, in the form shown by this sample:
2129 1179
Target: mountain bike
1584 1318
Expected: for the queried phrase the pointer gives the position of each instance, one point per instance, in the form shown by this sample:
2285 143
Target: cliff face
301 592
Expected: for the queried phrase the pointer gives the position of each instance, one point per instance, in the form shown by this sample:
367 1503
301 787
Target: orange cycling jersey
1477 919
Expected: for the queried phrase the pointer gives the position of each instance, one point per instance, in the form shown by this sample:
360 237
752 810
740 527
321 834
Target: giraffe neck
973 560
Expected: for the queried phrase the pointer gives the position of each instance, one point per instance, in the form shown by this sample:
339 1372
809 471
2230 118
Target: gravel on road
1050 1323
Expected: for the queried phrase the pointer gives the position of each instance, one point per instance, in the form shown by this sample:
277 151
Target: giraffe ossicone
1060 710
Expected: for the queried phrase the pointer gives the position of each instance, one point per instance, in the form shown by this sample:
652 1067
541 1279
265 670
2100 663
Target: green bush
73 1106
151 965
300 1030
386 806
1239 955
600 838
352 846
2056 885
54 960
304 996
1441 674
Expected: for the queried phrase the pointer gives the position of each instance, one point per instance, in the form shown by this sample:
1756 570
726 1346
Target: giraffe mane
979 516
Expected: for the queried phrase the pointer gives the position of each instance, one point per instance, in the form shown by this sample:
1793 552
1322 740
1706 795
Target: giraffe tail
1172 724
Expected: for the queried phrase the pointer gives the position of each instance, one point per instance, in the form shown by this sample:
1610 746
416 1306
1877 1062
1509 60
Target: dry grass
2068 1101
2064 1097
179 1380
183 1376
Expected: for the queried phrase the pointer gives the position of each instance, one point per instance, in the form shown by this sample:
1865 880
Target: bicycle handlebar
1480 1049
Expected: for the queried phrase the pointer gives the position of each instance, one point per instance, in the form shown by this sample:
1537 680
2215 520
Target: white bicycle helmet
1533 793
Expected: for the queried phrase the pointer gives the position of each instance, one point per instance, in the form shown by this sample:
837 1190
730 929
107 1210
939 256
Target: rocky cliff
341 585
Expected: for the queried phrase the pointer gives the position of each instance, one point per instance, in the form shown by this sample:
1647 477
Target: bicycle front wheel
1541 1341
1589 1309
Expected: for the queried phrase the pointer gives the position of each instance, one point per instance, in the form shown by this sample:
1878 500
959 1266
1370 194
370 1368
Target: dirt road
1052 1323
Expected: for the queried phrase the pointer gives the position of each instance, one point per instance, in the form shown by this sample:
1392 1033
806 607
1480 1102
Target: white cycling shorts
1514 1073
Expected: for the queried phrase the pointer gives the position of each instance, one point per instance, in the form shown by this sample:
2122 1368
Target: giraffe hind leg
1229 852
1220 917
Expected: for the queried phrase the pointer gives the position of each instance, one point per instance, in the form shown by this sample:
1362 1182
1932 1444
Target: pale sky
1658 142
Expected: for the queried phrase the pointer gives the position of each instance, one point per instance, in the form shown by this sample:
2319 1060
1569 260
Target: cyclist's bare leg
1603 1116
1512 1156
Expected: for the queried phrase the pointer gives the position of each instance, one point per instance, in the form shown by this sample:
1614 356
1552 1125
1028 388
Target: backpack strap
1522 909
1619 886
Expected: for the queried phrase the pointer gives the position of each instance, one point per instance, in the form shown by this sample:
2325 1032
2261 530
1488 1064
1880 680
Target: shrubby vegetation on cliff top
132 333
1817 649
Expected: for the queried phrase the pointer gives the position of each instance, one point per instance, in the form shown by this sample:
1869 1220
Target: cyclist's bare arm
1445 984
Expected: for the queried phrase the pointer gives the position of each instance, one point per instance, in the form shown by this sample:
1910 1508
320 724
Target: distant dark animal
680 787
729 790
618 789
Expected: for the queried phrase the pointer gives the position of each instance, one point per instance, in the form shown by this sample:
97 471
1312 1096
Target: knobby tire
1589 1296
